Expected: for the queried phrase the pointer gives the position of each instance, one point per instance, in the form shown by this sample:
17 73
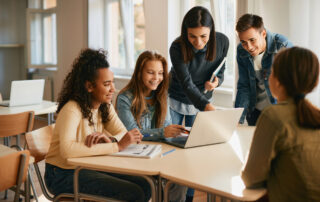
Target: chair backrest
38 142
15 124
13 169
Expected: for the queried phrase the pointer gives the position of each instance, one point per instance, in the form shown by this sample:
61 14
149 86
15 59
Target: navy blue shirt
188 79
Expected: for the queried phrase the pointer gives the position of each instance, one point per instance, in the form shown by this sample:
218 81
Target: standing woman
195 55
285 152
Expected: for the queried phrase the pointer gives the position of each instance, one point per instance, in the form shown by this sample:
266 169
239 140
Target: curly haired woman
87 125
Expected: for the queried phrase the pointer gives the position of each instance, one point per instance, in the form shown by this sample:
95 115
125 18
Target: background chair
38 142
13 171
14 125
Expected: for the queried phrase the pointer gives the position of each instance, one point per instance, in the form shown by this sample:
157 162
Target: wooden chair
38 142
15 125
13 171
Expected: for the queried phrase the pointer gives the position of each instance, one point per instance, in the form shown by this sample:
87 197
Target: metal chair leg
5 194
32 186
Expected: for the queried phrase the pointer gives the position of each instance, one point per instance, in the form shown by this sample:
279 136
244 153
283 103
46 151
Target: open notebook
140 151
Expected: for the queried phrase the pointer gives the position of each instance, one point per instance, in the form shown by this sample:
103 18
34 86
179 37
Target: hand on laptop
173 130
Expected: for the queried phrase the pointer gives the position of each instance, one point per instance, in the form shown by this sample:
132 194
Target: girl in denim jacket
142 103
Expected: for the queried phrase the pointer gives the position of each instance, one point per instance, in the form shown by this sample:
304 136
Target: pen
186 131
168 152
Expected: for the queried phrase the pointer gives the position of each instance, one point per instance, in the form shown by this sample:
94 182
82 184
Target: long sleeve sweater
71 130
188 79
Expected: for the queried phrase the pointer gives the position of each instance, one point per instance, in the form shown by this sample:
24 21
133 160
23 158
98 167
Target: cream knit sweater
71 130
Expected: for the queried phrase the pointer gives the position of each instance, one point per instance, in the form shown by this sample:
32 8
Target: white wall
72 36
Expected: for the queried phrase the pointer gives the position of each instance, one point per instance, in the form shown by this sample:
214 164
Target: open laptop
25 92
209 127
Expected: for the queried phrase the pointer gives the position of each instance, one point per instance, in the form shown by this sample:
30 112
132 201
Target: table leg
152 183
76 184
159 189
50 118
166 191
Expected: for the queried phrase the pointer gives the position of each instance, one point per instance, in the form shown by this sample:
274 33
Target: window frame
42 65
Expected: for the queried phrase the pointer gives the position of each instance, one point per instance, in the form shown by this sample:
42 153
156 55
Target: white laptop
25 92
209 127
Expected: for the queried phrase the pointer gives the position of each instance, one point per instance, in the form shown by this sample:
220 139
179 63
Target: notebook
140 151
209 127
25 92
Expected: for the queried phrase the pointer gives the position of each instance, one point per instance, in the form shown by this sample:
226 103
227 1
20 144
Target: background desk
46 107
214 169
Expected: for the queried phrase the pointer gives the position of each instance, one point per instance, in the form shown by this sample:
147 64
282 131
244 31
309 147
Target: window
119 27
225 23
41 34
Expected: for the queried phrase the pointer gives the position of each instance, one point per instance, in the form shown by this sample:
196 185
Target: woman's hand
96 138
209 107
132 136
209 86
173 130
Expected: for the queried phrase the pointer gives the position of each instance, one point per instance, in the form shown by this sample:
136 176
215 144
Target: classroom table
46 107
146 168
214 169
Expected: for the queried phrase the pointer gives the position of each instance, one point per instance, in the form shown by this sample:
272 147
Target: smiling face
152 75
198 36
253 40
103 88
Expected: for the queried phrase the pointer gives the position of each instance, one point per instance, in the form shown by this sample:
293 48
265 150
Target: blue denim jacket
124 102
246 88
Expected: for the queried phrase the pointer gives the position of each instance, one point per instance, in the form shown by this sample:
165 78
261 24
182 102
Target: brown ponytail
297 69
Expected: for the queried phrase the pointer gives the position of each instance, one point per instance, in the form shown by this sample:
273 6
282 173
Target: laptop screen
26 92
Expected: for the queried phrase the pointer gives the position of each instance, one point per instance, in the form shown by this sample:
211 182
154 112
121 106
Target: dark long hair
137 87
297 69
84 68
197 17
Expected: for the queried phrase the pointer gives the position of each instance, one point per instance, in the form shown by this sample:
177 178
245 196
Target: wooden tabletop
45 107
214 169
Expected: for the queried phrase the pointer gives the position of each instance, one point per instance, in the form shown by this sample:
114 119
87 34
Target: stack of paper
140 150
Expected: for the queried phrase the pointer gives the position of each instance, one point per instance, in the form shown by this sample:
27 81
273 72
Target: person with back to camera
88 125
195 55
142 104
255 53
285 153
